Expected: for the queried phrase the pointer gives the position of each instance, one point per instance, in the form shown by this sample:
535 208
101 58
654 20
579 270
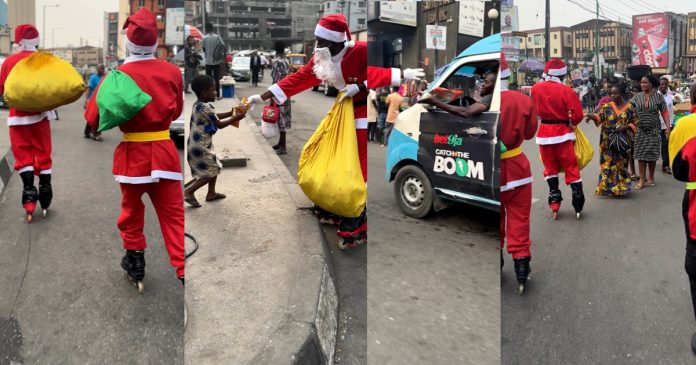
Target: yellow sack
329 169
583 148
42 82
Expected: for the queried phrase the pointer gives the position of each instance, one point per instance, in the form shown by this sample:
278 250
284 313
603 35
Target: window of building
160 3
555 36
361 21
362 4
141 3
555 51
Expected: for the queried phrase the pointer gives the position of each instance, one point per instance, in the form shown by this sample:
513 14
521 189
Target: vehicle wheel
413 192
327 92
315 88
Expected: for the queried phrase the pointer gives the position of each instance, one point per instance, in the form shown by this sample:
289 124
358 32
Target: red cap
141 32
334 28
26 35
504 68
555 67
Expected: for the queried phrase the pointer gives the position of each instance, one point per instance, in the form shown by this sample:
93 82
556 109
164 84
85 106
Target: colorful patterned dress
201 155
280 69
614 179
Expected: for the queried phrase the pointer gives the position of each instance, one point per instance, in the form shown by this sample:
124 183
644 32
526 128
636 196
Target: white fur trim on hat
558 71
30 42
329 35
134 48
505 73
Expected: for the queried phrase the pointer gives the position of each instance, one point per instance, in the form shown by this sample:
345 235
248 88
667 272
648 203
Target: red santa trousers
362 150
560 156
168 200
516 205
31 147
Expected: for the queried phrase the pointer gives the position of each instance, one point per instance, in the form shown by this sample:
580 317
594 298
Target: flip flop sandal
193 202
217 196
639 186
282 152
651 184
98 138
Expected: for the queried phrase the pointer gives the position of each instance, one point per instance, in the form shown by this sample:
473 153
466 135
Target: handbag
618 141
271 113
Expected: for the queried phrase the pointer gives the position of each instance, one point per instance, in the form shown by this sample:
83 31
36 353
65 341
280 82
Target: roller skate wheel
520 289
577 215
139 284
45 213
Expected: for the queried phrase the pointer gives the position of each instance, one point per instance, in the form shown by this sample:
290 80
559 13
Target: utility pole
596 46
547 43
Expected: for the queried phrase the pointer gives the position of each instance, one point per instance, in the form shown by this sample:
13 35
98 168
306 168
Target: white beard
324 68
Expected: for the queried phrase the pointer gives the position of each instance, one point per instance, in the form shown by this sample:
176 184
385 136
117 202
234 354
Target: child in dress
205 167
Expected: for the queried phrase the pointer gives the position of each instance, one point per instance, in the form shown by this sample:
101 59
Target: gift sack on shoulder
329 169
119 99
42 82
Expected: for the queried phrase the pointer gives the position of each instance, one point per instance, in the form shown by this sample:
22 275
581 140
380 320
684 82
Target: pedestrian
681 146
394 101
30 132
264 64
518 122
382 110
649 105
192 62
342 63
372 116
605 98
205 166
279 70
147 161
255 66
663 89
560 111
615 119
94 81
215 50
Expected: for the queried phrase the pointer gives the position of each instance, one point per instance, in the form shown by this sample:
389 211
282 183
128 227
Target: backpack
219 51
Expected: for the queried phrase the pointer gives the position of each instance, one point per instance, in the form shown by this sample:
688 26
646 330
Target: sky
75 18
570 12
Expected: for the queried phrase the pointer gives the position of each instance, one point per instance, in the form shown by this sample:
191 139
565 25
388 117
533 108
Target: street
65 298
432 295
609 288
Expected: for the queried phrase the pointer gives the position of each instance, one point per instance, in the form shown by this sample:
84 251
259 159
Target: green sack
119 99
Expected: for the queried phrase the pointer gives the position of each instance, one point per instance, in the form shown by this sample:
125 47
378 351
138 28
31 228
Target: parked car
435 158
240 68
297 61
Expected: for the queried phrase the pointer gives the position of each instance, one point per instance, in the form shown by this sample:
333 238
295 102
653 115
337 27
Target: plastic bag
119 99
42 82
583 148
270 130
329 169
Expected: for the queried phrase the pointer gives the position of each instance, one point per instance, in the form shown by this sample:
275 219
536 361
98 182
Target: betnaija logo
450 139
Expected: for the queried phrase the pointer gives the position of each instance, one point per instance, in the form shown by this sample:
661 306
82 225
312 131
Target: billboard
650 40
509 19
511 46
174 27
471 17
112 37
399 12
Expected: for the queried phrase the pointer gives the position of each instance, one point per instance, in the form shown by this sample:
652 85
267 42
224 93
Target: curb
320 345
6 169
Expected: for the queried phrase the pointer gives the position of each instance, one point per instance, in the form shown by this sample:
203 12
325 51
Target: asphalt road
432 295
607 289
64 298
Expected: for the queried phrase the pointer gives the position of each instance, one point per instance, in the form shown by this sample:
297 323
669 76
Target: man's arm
466 112
292 84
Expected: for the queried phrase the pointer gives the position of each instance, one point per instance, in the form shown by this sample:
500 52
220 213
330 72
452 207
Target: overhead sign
651 40
511 46
471 17
174 31
402 12
435 37
509 19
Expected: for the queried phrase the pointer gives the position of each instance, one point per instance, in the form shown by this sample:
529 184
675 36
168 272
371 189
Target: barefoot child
205 166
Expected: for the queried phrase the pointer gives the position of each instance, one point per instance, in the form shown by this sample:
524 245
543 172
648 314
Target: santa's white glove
253 100
413 74
350 90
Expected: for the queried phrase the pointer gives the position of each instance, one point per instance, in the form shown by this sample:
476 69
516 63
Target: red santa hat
334 28
26 35
141 32
555 67
504 68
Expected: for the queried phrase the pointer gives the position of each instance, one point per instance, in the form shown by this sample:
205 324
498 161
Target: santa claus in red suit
560 111
146 161
518 122
30 133
343 64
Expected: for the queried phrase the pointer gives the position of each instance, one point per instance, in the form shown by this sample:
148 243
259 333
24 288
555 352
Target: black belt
359 102
554 121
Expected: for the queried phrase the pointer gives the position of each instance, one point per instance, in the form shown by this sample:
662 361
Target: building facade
614 43
111 35
534 43
123 13
690 54
355 12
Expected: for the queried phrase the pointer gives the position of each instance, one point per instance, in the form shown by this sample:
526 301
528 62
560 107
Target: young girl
205 166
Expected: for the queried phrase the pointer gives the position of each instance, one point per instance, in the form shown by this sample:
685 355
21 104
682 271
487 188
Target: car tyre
413 191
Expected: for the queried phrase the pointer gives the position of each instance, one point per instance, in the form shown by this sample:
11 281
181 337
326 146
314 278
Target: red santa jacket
19 117
353 63
518 122
147 162
380 77
555 101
